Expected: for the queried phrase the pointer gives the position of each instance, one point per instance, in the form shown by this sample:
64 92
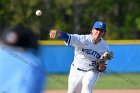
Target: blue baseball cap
99 24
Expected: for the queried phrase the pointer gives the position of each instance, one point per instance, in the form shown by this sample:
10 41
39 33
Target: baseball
38 12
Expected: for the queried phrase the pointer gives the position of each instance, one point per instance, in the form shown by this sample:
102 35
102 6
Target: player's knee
85 84
71 89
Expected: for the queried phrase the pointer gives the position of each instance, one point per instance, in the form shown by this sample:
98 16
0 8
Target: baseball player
91 54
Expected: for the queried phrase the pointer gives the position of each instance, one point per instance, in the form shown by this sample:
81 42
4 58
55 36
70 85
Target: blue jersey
20 71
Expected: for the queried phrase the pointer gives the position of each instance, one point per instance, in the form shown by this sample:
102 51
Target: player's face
98 33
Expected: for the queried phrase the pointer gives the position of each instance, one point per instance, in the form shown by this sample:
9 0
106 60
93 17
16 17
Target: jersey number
93 63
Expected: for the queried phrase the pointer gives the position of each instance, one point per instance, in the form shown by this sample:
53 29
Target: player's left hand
102 60
104 57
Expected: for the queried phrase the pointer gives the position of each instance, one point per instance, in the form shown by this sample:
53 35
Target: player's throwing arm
59 34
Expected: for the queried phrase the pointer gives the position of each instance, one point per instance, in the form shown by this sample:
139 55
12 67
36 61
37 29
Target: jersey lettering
91 52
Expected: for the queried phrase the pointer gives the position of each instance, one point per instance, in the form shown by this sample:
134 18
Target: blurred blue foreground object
21 70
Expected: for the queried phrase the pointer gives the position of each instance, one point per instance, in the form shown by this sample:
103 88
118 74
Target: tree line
73 16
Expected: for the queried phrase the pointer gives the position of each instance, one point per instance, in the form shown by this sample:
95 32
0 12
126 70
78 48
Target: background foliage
73 16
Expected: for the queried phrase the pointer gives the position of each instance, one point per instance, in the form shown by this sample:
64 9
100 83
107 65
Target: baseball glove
103 59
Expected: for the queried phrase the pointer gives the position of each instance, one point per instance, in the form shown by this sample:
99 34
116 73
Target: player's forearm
63 36
102 67
101 64
59 34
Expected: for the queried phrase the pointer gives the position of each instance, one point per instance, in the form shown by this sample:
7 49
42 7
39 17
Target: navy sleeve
64 36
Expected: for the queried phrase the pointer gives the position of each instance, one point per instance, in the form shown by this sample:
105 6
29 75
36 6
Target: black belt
81 69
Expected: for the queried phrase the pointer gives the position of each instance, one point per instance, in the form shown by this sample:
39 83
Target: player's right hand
54 33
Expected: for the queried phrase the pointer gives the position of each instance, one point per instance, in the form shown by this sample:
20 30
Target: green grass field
106 81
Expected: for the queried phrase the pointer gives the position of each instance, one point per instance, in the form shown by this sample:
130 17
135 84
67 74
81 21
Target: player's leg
79 87
75 81
88 81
